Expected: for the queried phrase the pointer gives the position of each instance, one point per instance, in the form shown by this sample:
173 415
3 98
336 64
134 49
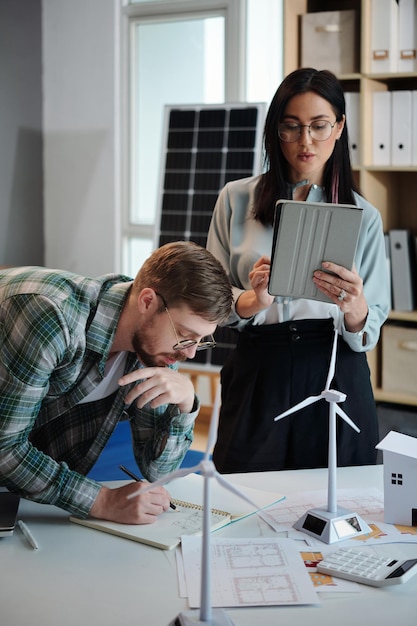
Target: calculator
367 568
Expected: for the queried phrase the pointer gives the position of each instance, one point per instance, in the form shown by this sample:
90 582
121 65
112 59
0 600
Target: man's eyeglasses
320 130
184 344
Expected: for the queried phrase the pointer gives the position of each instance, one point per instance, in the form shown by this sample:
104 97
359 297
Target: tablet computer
9 505
305 235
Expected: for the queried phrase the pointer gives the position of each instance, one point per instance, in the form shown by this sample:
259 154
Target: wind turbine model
207 615
334 523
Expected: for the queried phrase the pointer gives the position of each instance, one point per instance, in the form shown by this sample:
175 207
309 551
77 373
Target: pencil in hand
139 480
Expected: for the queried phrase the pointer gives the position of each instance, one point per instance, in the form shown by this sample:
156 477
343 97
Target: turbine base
332 527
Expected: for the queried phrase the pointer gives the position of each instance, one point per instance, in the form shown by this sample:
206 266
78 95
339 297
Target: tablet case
305 235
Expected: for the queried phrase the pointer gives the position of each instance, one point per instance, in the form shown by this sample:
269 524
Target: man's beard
152 360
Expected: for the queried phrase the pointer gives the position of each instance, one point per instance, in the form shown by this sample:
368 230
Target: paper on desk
182 584
368 503
323 582
249 572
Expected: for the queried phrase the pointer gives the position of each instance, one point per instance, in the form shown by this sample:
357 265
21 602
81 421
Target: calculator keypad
363 567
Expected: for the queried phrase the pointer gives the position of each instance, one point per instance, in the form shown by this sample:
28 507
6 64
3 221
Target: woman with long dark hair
284 344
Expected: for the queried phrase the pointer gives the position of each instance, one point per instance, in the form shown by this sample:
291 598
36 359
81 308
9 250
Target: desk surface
86 578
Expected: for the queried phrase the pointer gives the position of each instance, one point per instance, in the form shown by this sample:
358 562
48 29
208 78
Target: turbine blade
256 509
298 406
347 419
212 434
332 366
183 471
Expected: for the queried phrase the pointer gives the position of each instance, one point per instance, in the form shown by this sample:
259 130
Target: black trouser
273 368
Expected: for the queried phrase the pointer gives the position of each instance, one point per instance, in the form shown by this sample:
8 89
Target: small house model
400 478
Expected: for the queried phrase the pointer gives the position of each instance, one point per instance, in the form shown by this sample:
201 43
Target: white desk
86 578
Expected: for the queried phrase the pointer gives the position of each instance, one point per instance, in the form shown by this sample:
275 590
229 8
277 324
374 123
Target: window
396 479
182 52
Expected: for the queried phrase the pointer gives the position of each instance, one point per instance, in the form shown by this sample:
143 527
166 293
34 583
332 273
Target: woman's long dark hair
338 179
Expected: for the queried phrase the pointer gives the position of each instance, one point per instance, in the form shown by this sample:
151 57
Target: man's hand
160 385
113 504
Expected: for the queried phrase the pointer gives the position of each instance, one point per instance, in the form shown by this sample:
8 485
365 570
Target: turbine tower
206 614
334 523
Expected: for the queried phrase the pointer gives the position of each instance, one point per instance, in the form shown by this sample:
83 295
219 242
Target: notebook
305 234
187 494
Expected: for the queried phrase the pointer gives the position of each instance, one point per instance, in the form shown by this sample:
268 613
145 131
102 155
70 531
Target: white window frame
234 13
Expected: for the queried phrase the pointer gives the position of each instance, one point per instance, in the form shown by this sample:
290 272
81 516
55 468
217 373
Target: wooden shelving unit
390 189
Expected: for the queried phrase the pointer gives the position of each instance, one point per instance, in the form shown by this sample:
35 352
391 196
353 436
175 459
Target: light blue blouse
237 240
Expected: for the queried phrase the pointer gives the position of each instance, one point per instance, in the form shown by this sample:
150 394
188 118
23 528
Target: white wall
264 55
79 85
21 174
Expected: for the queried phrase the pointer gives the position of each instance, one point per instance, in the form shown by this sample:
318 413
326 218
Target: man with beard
79 354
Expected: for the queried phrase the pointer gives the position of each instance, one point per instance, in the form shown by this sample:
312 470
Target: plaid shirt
56 331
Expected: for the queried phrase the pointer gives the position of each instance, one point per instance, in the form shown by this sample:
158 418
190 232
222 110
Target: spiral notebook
187 494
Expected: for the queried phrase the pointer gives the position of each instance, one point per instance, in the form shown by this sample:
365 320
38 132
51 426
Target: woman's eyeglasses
320 130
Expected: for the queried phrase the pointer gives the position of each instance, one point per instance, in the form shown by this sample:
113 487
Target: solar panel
204 147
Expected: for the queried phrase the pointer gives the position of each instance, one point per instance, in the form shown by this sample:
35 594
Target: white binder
388 259
402 269
384 36
352 117
407 36
381 128
414 128
401 127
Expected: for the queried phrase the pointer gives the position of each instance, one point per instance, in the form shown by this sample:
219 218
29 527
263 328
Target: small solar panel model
204 147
